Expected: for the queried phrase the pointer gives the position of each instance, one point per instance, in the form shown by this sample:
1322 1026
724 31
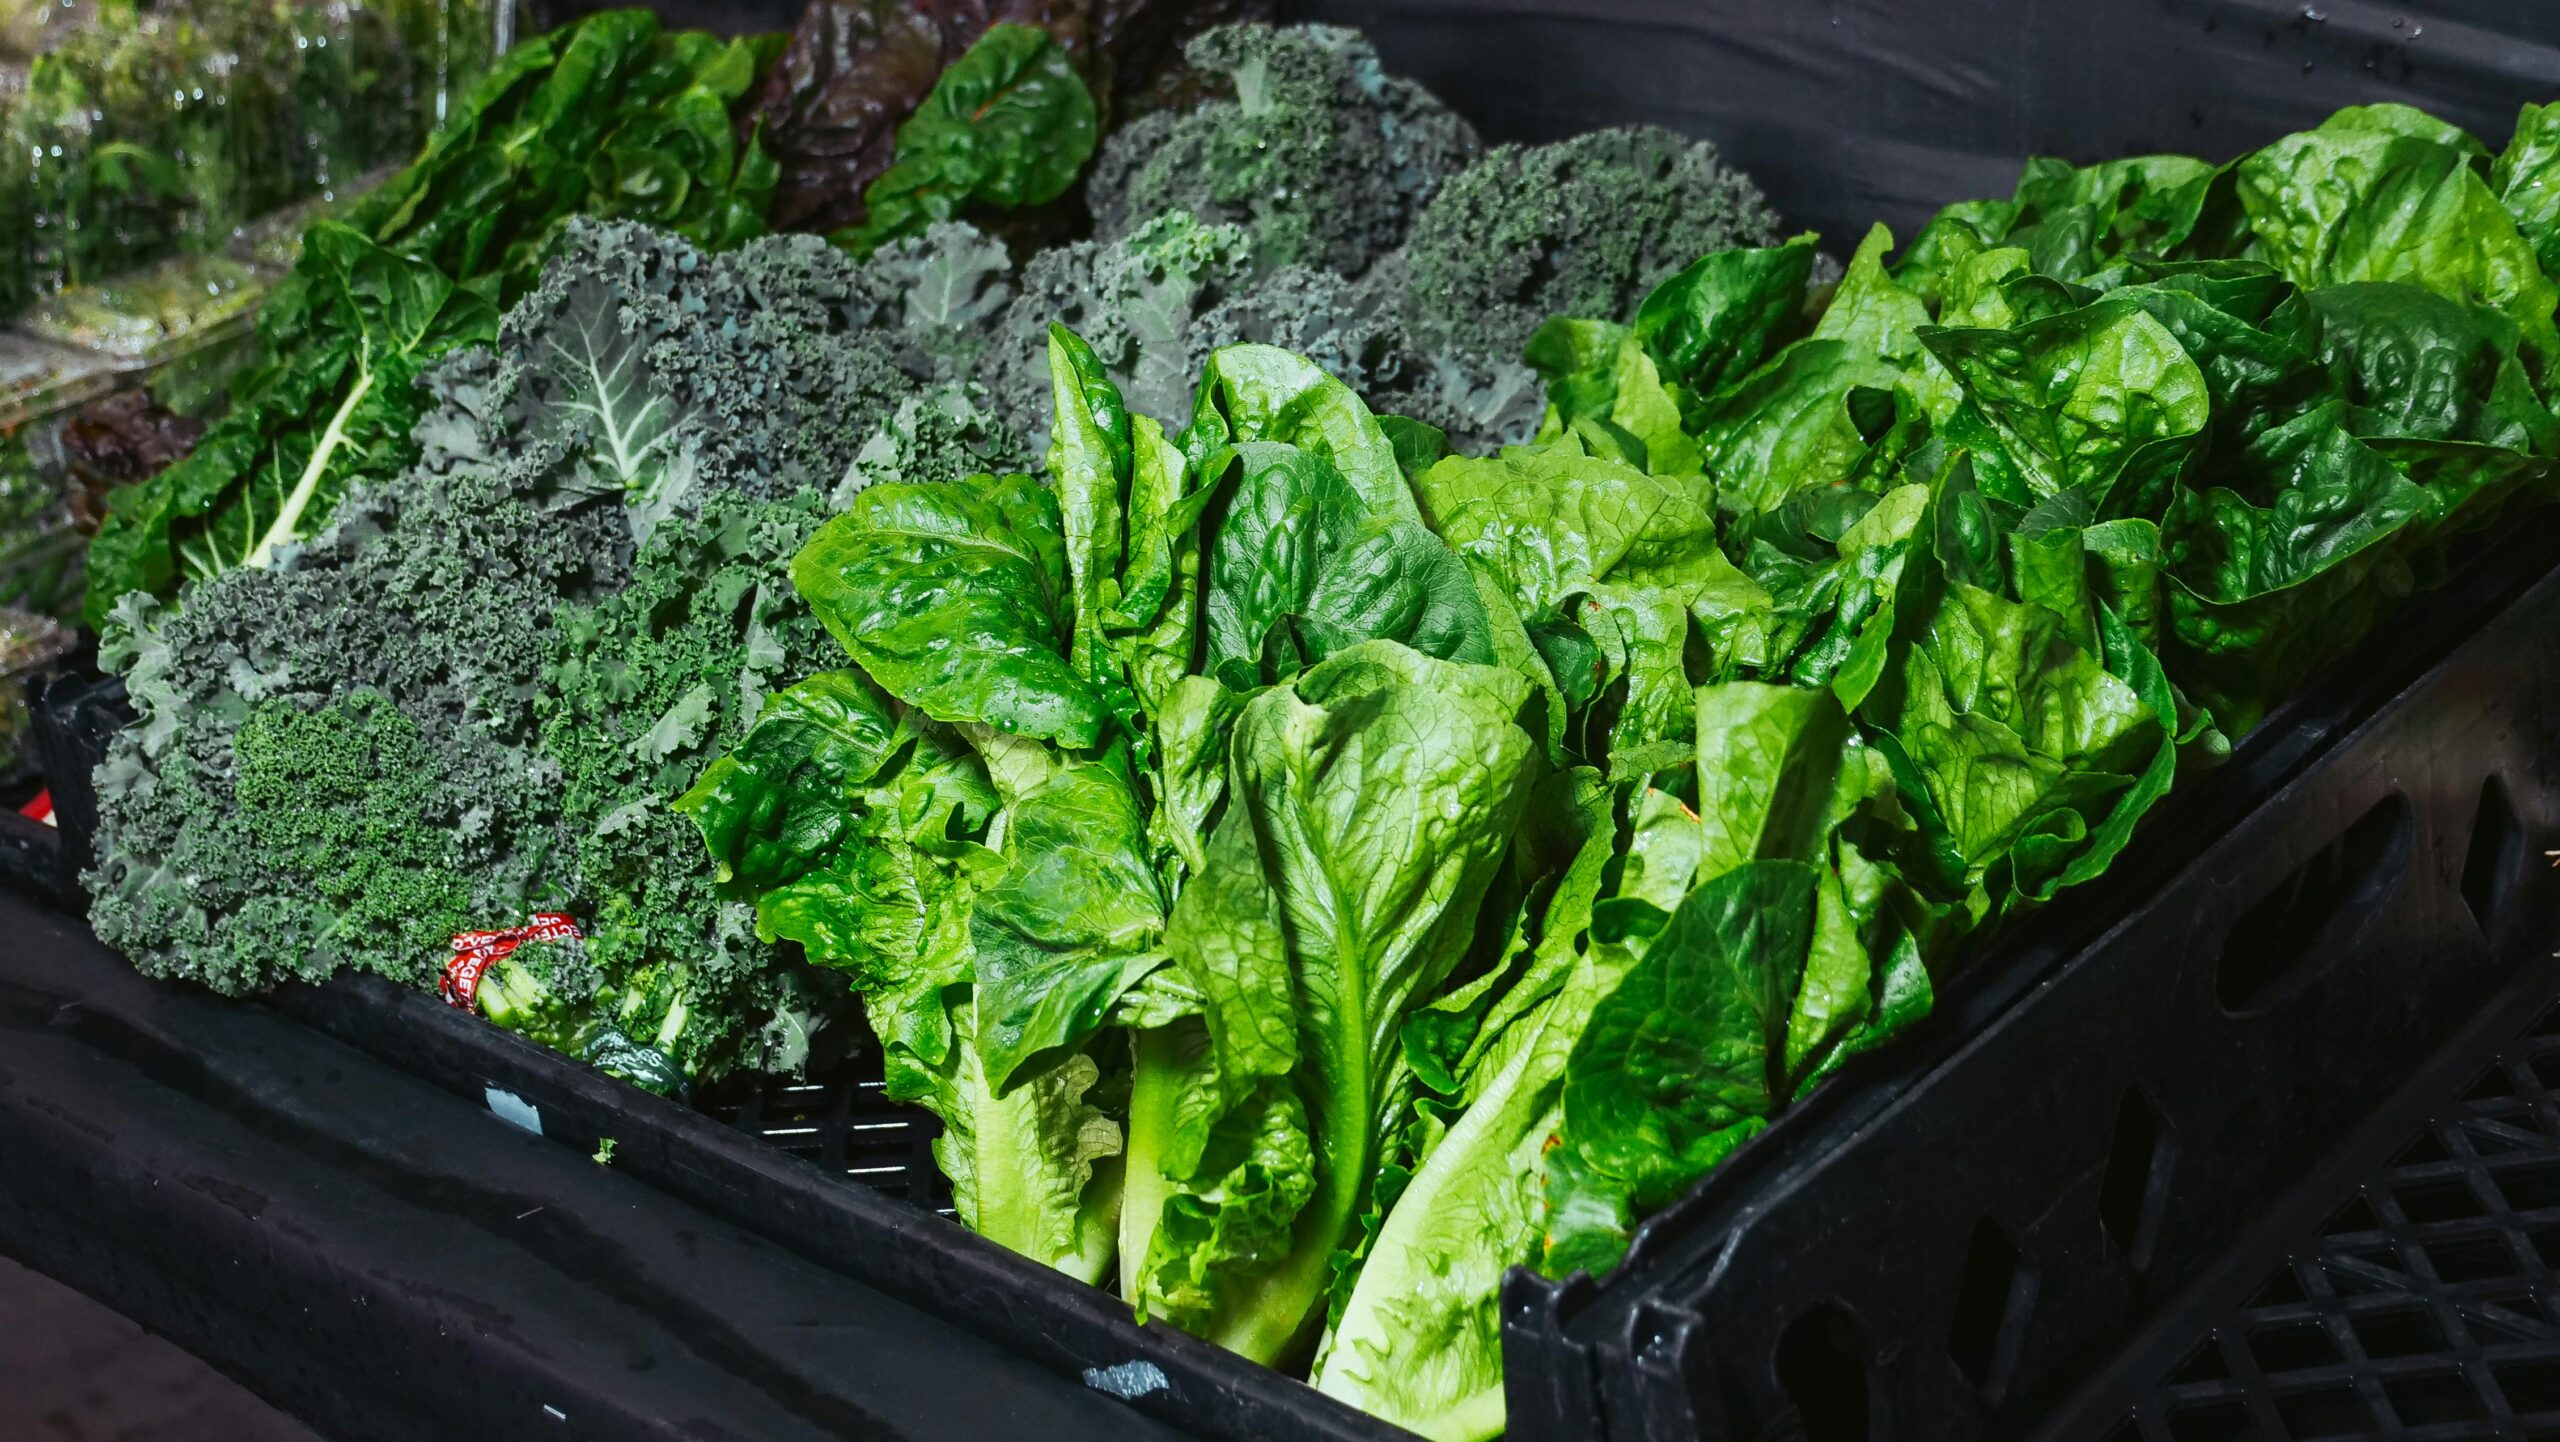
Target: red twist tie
474 952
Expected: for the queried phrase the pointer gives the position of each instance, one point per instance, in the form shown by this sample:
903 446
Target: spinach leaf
1680 1064
2101 400
1709 325
1551 521
954 598
1076 920
1302 567
2527 179
2371 197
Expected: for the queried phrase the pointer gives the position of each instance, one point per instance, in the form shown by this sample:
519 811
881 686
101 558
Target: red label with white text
474 952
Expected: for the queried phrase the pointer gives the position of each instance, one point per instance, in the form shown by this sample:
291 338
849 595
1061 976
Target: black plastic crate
1847 113
2412 1290
1947 1238
1883 1209
825 1166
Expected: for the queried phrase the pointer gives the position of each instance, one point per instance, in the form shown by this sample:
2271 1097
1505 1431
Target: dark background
1853 111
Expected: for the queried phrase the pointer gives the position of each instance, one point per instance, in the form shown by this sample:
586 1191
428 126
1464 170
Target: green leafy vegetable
1010 123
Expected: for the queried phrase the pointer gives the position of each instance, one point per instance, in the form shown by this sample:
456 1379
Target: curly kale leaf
1321 157
548 479
644 687
1155 303
1583 227
937 298
1136 300
643 367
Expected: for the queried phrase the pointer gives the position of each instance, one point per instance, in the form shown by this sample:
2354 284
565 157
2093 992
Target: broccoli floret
1321 156
1583 227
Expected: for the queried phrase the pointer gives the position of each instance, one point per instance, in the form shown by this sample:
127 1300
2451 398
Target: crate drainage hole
2333 1411
1822 1367
2307 919
1993 1302
2434 1400
2135 1187
2496 860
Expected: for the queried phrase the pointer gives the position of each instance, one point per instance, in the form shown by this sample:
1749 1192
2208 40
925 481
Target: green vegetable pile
541 631
608 117
1509 674
1310 871
142 130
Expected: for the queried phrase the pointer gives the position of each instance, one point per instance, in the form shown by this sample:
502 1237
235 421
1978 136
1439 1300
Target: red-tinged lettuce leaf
855 70
1009 124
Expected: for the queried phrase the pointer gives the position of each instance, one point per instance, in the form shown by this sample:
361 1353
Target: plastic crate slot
2433 1399
1994 1302
2492 1085
2546 1245
2429 1148
2471 1259
2445 1199
2530 1386
2293 1347
2495 863
1822 1365
2213 1422
2283 1289
2134 1190
2396 1333
2315 913
2205 1364
2331 1411
2533 1187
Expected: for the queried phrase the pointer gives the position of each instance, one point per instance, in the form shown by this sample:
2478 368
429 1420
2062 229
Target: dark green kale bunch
1583 227
1320 156
412 726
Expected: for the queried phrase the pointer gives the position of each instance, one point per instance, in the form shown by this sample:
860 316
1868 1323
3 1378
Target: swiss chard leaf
1010 123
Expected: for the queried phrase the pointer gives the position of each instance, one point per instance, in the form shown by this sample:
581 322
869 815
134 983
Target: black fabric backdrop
1853 111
